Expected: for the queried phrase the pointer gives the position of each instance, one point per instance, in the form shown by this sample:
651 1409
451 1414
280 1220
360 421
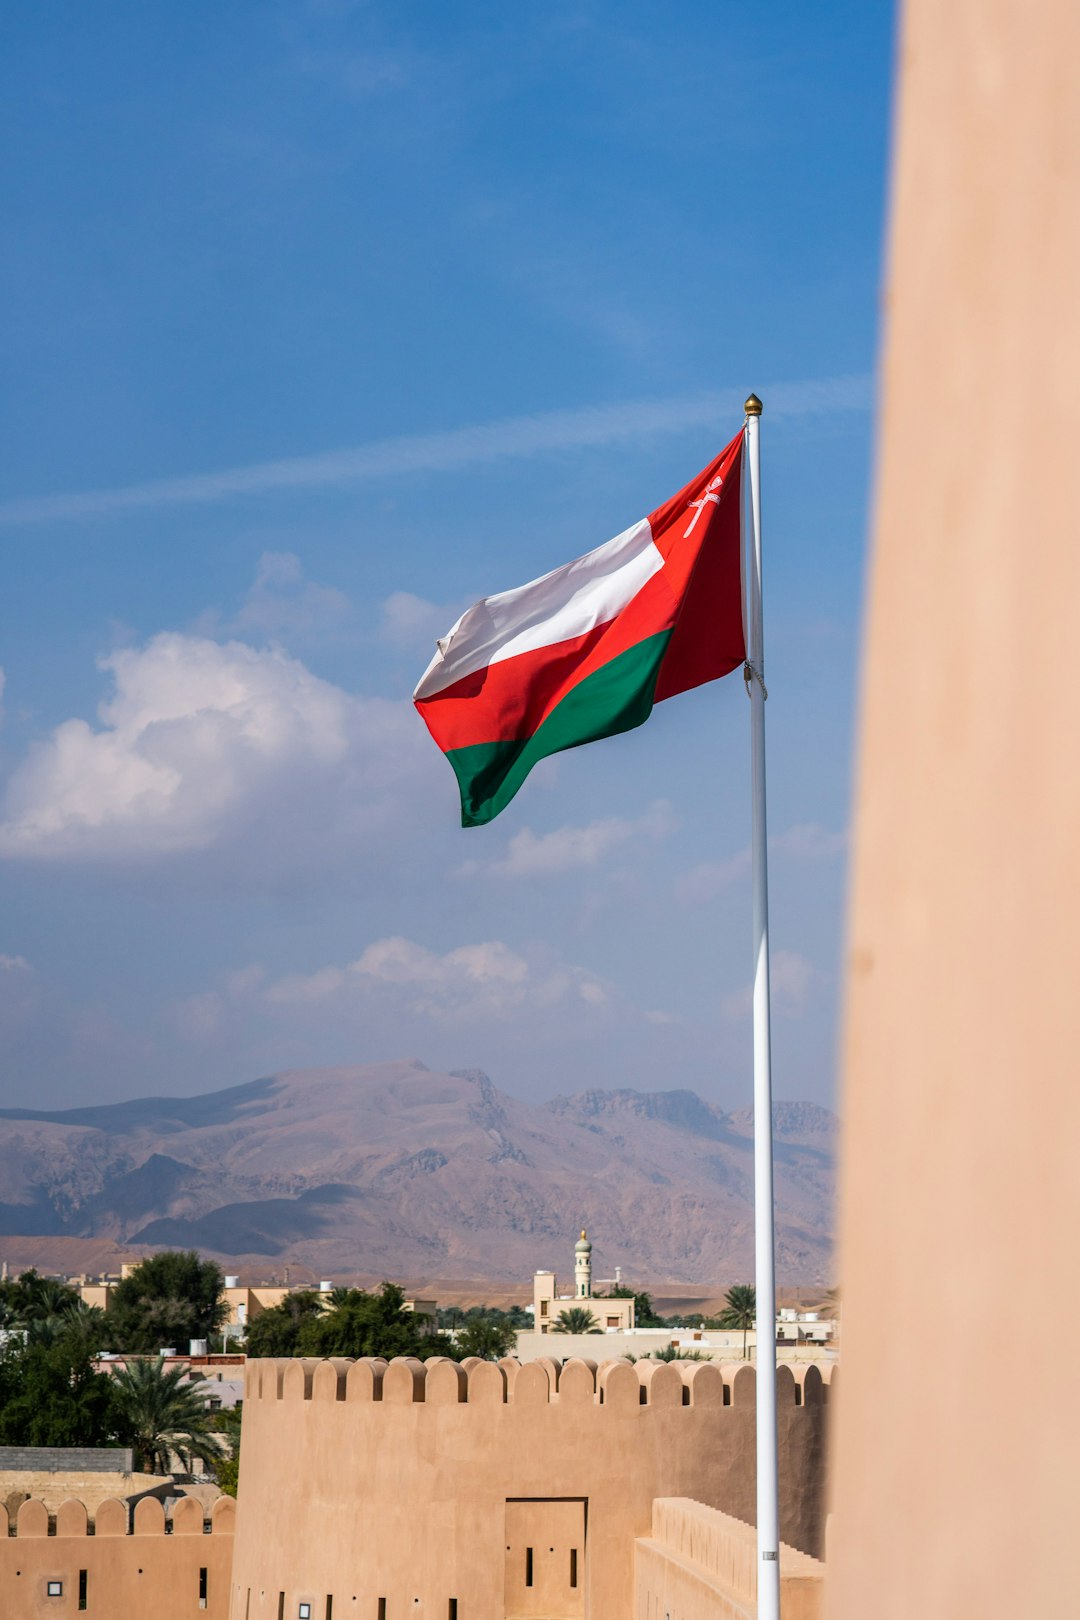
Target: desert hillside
394 1169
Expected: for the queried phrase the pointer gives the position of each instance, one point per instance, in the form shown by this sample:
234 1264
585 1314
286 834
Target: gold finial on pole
753 406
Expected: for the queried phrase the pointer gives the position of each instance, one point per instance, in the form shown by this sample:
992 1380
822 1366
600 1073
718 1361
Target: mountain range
394 1169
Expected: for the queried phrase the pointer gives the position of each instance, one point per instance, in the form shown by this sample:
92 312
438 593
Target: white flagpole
768 1507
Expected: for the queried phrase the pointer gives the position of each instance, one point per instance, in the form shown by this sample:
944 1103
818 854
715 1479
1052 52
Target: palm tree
160 1414
49 1297
88 1321
740 1310
575 1319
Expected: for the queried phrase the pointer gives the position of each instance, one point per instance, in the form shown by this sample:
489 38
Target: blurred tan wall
957 1488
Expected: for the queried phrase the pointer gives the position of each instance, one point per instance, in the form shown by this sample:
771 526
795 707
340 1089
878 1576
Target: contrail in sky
514 437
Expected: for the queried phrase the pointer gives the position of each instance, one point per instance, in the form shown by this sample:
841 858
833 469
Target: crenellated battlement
148 1517
548 1381
123 1561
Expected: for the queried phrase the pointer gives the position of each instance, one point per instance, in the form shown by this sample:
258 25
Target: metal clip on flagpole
768 1512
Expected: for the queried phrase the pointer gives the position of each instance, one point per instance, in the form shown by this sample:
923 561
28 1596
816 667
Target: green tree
487 1336
44 1310
276 1332
29 1298
740 1310
51 1395
452 1316
226 1469
671 1352
167 1299
371 1324
159 1413
575 1319
83 1324
227 1474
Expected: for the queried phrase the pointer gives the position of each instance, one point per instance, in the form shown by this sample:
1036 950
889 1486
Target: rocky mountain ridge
395 1168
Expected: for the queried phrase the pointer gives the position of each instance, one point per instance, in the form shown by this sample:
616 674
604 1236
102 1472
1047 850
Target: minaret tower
583 1266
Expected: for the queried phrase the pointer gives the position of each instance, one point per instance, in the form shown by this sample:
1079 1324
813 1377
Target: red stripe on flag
510 699
708 640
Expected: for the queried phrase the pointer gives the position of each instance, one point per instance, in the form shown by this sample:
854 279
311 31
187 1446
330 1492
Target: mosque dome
583 1246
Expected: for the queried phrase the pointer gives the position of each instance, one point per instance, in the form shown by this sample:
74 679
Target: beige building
246 1302
97 1291
610 1315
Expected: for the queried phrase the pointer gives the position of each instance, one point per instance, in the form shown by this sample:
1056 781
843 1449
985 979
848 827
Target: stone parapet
699 1564
618 1384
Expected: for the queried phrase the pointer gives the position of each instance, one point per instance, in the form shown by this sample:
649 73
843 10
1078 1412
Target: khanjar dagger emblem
710 497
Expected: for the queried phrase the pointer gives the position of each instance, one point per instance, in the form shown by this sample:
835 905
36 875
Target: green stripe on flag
617 697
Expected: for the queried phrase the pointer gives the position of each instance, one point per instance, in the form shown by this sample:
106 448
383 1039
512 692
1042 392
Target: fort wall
698 1564
122 1565
484 1489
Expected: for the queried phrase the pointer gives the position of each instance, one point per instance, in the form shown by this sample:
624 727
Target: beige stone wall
719 1345
698 1564
89 1488
960 1191
144 1575
365 1480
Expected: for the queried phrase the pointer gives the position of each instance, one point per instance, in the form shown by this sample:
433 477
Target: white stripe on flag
568 602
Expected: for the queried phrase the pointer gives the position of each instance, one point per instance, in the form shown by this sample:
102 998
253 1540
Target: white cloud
23 1004
488 980
462 448
804 842
710 878
409 622
530 854
199 1017
282 604
792 978
809 842
200 744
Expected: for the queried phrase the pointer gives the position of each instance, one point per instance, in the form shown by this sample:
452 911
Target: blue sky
322 320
